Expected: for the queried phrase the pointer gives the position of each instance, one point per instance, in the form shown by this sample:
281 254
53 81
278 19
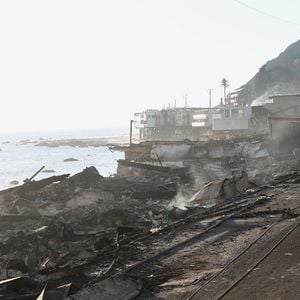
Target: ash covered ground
157 235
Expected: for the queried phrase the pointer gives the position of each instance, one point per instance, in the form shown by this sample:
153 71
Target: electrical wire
266 14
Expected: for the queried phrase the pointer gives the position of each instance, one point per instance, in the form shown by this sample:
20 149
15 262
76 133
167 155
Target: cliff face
278 76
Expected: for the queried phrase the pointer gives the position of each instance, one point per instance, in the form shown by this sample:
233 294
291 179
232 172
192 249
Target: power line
266 14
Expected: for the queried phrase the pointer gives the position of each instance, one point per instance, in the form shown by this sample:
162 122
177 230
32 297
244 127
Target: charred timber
183 173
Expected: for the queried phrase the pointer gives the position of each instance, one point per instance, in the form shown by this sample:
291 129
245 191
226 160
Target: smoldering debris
180 201
220 190
120 287
211 193
64 230
71 235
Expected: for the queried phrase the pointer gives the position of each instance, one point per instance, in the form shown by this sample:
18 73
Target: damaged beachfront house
213 142
279 116
192 123
284 118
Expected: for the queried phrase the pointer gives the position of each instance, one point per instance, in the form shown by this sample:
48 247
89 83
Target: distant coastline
90 142
20 156
63 133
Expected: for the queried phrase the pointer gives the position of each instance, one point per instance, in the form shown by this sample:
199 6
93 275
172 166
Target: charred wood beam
156 195
181 172
36 185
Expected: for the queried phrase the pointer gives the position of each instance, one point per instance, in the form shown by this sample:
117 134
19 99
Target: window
227 113
234 113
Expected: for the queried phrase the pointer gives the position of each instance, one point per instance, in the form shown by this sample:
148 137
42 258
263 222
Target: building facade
191 123
284 119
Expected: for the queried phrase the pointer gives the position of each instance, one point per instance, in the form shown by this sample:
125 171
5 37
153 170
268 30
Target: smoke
279 89
180 201
258 157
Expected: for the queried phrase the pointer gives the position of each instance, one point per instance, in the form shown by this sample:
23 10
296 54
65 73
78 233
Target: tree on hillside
225 85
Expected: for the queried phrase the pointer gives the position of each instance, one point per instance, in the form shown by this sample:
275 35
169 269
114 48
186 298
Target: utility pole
130 134
174 103
185 100
209 98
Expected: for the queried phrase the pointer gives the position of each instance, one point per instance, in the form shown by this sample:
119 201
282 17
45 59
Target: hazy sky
84 64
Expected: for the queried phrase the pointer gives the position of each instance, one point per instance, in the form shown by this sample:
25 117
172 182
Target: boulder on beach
70 159
48 171
14 182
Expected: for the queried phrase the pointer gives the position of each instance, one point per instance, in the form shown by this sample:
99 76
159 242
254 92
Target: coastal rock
277 76
70 159
14 182
82 143
48 171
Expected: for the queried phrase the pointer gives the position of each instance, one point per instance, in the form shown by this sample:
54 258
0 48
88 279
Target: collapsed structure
89 237
184 219
214 143
206 206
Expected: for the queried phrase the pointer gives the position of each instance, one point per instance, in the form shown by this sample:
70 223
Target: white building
223 118
231 119
147 119
202 118
191 123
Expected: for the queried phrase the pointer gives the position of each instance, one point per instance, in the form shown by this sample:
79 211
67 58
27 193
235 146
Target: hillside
278 76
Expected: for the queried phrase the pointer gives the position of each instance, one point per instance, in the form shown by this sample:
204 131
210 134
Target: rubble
129 168
70 159
170 152
51 226
120 287
81 142
219 190
260 157
77 236
14 182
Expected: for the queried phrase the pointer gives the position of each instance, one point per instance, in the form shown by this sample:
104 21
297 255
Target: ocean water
20 161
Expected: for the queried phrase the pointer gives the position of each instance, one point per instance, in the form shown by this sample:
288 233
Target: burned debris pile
64 230
260 157
86 235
